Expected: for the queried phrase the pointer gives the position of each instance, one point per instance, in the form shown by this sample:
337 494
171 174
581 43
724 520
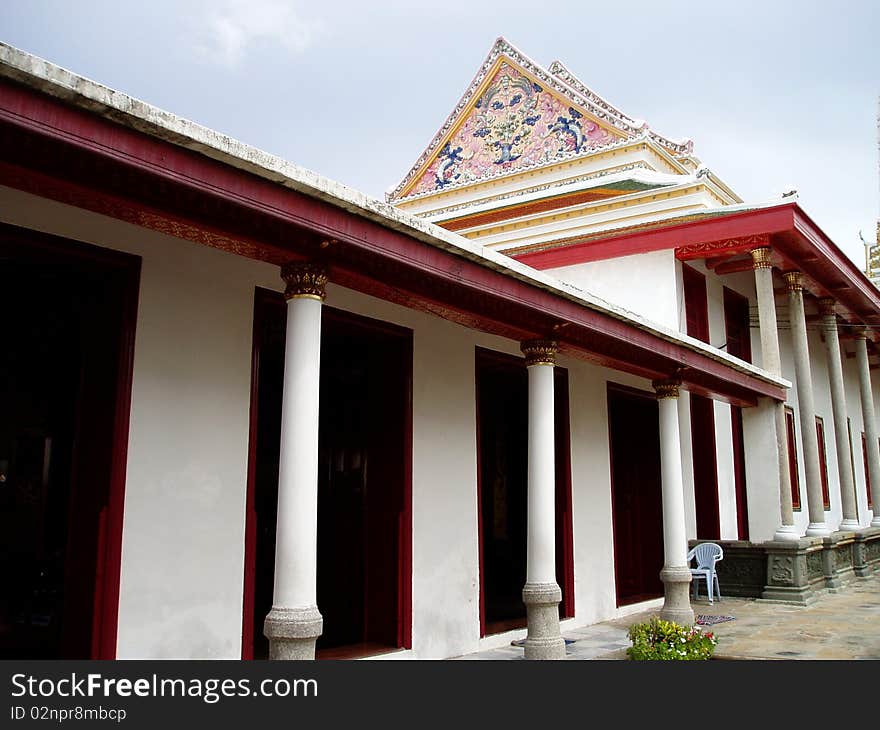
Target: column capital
826 306
540 352
305 280
860 333
666 388
794 280
761 257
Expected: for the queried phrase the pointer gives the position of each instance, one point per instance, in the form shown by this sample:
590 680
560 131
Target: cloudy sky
776 94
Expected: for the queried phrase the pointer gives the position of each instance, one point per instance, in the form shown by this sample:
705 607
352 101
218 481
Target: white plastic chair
707 554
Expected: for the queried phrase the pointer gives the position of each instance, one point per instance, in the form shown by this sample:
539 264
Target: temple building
251 412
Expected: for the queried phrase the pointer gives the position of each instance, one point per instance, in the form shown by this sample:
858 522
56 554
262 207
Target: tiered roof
515 116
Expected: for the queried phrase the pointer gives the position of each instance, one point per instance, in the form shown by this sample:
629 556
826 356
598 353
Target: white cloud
230 28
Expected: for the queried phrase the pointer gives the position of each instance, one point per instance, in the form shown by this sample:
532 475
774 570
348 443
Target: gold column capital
761 257
540 352
305 280
860 333
668 388
794 280
826 306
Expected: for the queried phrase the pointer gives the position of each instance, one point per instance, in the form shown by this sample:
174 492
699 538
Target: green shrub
665 640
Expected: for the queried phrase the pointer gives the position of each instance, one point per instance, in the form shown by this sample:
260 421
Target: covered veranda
69 140
800 272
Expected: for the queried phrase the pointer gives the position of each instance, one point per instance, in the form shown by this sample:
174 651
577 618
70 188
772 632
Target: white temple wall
183 524
644 284
183 529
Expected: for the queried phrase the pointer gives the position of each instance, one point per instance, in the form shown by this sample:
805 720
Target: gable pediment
514 123
516 116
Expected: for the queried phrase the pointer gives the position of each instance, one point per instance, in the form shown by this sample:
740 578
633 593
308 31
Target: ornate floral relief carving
743 571
814 564
304 279
560 81
859 554
138 215
515 122
782 570
667 388
761 257
694 250
540 352
794 280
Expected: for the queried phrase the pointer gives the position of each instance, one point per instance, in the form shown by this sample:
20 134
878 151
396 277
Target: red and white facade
353 454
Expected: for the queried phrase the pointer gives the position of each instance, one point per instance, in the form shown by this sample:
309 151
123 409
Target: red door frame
702 412
618 390
823 463
106 614
404 536
739 473
564 529
564 511
736 325
108 564
250 523
793 472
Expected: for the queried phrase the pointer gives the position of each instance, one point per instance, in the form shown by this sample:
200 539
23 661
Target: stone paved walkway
843 625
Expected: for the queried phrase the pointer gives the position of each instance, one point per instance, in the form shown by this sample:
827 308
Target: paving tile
842 625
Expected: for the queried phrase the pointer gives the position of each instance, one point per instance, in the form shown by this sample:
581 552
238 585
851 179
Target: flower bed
667 641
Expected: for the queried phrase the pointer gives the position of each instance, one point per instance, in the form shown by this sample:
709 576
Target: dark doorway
737 323
705 468
739 473
502 446
636 493
65 384
364 538
703 453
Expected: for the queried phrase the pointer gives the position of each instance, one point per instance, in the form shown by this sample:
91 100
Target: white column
838 405
772 363
294 623
541 593
770 359
806 404
870 422
676 575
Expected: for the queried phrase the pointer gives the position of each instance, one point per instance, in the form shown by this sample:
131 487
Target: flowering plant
665 640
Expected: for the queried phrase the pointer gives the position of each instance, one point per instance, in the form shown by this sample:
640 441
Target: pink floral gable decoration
514 124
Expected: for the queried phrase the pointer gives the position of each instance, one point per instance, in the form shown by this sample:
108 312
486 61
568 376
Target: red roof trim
810 232
369 252
731 225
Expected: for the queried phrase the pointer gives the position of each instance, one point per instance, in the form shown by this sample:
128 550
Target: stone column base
866 552
676 600
838 559
789 576
787 533
544 640
292 632
817 529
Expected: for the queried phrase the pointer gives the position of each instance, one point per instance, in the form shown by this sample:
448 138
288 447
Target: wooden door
364 485
637 507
